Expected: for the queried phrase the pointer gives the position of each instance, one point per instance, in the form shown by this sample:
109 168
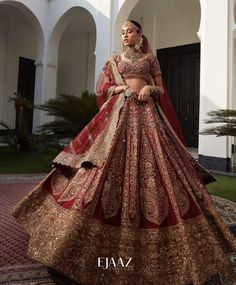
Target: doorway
181 73
26 83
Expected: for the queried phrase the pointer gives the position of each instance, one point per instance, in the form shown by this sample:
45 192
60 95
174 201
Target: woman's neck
132 53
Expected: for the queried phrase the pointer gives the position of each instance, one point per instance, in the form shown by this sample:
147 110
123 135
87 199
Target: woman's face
129 34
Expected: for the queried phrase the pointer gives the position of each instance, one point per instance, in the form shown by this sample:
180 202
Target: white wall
76 64
176 29
15 41
214 73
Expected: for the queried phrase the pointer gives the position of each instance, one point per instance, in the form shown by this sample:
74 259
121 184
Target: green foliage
71 114
20 137
10 136
226 117
224 187
26 162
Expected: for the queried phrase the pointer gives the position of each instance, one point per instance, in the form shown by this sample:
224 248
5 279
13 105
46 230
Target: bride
125 203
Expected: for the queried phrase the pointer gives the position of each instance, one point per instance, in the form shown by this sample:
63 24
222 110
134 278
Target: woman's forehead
127 25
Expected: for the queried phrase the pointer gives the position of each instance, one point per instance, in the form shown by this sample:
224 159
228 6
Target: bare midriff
135 84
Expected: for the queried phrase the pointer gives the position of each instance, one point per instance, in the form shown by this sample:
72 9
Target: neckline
130 62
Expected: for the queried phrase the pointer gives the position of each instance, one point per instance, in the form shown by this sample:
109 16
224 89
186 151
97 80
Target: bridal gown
142 217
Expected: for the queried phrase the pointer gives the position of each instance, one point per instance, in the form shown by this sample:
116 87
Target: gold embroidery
71 242
110 91
58 182
100 147
155 204
197 166
133 206
76 183
99 150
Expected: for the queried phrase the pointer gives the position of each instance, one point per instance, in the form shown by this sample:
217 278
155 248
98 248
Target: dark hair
139 27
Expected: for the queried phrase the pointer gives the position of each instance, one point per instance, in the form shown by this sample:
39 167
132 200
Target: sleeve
154 66
105 85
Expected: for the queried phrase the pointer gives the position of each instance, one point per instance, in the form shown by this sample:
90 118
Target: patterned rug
16 268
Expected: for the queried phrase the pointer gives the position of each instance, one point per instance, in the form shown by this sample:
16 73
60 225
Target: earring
139 43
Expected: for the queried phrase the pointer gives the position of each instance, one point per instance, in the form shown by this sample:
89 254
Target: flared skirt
144 217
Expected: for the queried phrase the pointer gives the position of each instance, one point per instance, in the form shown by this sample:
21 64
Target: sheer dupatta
92 145
164 100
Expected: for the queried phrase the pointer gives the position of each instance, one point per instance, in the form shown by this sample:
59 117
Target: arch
59 28
17 20
199 32
33 21
72 46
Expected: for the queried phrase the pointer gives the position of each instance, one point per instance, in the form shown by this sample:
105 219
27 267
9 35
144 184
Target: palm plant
225 116
20 138
71 114
10 136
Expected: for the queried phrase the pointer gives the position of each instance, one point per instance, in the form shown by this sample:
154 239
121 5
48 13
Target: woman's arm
158 85
156 75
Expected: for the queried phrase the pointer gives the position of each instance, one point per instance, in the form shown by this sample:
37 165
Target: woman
125 202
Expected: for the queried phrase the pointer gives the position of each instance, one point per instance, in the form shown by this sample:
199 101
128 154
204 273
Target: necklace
133 54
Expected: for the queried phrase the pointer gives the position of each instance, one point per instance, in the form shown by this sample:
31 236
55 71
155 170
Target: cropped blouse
142 68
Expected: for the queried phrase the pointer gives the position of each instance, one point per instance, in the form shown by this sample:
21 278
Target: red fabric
164 100
85 138
105 80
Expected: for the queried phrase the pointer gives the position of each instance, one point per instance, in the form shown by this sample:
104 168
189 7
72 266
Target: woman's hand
144 93
120 88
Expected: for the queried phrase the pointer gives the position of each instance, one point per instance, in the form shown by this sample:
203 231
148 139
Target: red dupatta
85 149
164 100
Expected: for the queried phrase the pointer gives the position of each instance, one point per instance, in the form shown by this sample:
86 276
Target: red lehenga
127 192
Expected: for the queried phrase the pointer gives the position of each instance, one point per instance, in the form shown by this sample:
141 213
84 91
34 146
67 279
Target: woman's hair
139 27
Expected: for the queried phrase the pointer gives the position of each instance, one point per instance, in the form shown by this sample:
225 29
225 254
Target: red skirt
144 217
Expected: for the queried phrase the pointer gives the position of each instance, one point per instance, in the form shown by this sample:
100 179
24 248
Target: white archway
21 36
76 32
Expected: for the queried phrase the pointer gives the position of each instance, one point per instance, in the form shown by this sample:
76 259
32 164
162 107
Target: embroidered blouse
143 68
